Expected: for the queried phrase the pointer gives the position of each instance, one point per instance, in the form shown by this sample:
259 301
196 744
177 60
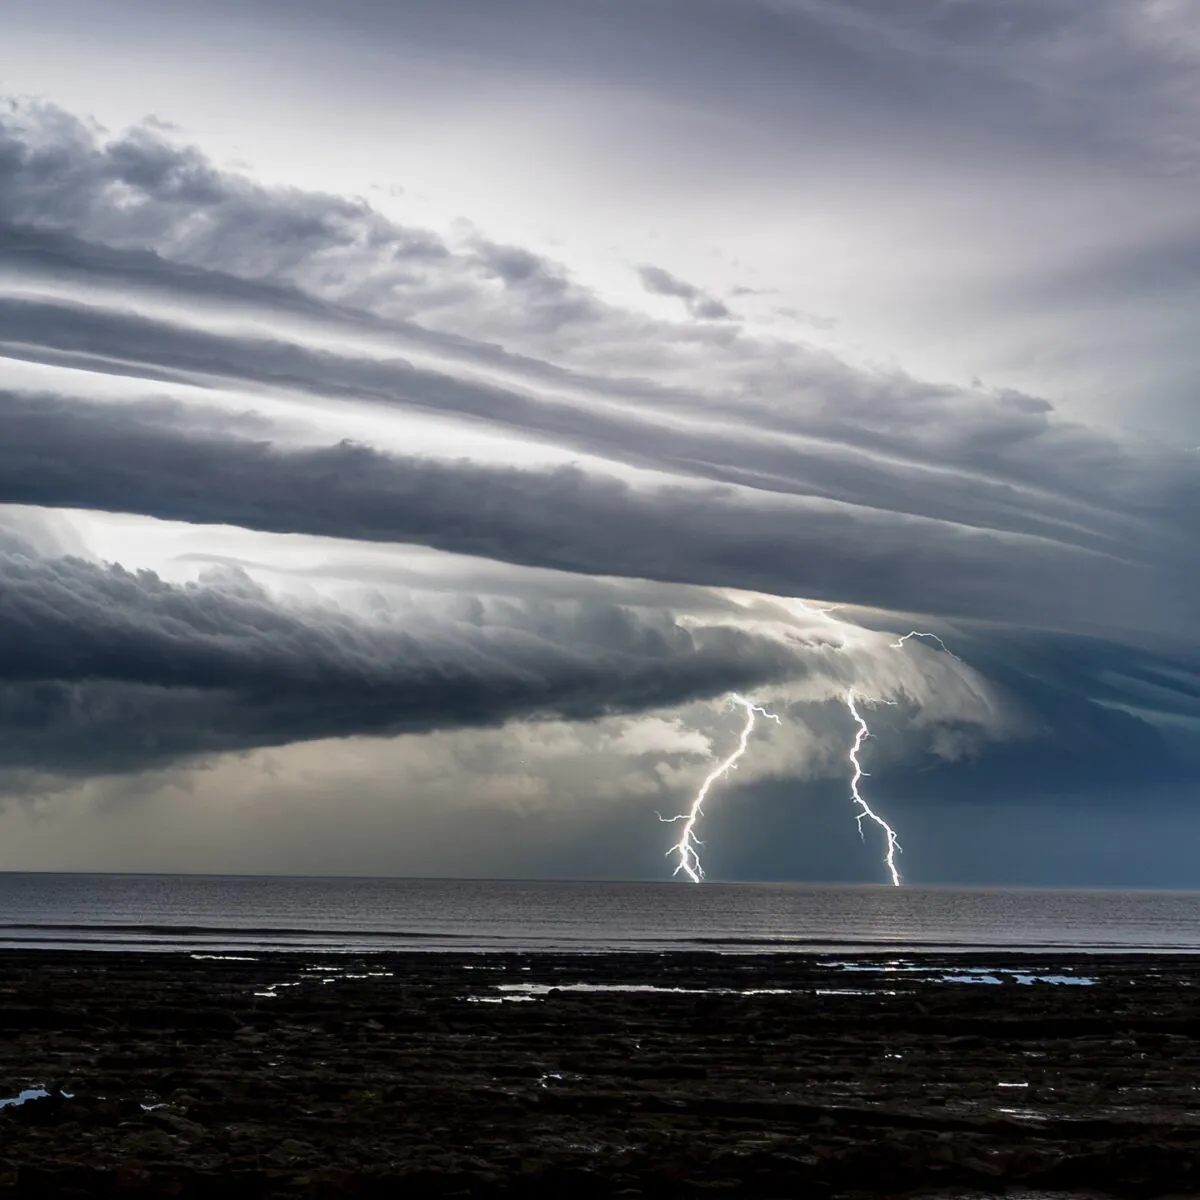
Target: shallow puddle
982 975
322 975
33 1093
853 992
544 989
1018 977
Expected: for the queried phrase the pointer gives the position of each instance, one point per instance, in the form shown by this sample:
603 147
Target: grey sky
460 406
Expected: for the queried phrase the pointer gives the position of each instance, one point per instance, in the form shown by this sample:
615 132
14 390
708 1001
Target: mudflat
527 1075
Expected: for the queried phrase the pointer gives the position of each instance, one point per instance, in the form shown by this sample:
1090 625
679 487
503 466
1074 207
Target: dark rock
397 1087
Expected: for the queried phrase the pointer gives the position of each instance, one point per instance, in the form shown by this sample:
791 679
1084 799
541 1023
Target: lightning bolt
686 849
686 846
865 811
898 644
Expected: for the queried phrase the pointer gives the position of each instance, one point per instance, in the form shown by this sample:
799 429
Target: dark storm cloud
144 459
1021 138
796 474
123 342
1100 714
944 501
700 304
55 174
548 297
999 460
141 191
128 279
105 669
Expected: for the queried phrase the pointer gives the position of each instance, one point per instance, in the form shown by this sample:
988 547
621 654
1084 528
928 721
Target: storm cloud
104 669
1050 489
464 439
128 459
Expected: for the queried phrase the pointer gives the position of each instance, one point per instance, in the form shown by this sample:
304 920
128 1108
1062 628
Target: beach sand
491 1075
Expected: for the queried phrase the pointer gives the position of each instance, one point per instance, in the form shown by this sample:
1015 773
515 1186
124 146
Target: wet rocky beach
492 1075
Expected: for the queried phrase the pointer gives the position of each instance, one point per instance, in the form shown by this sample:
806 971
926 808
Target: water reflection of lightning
865 811
685 847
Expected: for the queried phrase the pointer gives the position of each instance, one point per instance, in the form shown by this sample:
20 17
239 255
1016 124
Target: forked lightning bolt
865 811
686 847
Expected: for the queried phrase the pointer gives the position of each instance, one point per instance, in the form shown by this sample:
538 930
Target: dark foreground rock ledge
772 1076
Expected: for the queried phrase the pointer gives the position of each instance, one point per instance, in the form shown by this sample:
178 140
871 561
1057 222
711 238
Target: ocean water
232 913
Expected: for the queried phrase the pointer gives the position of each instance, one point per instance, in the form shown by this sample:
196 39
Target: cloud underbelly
130 459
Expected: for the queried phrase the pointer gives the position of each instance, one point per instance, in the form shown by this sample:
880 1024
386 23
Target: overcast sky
419 418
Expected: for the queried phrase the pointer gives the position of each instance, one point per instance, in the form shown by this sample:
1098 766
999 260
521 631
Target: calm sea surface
228 913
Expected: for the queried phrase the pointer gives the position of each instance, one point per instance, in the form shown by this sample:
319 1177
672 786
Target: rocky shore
525 1075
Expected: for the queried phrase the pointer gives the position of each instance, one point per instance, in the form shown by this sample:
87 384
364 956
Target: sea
232 914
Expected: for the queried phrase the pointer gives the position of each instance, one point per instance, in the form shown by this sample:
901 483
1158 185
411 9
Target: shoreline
463 945
684 1073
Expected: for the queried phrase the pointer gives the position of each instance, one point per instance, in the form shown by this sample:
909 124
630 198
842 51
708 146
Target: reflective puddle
544 989
33 1093
321 975
982 975
994 977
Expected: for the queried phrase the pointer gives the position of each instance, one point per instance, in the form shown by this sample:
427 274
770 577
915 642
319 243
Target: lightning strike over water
865 811
685 847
